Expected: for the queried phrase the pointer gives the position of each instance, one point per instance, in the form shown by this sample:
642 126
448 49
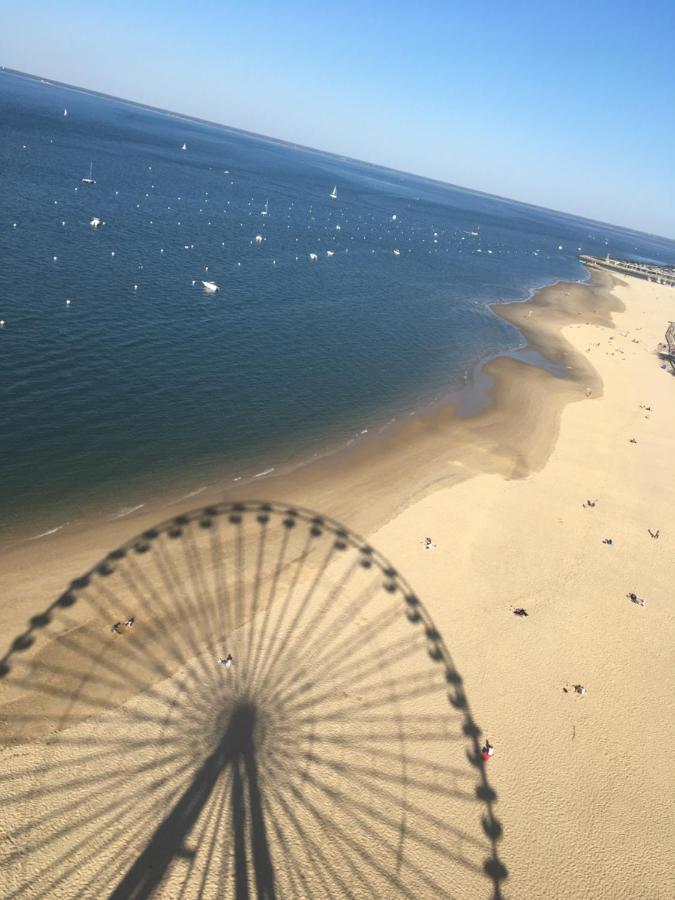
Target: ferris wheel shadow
337 757
236 750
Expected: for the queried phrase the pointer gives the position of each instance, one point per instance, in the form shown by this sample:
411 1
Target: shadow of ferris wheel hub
337 755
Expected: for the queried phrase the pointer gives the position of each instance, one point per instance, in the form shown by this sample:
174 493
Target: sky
567 105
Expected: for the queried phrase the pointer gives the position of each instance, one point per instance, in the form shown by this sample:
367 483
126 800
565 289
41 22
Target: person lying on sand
520 611
116 628
639 601
575 689
633 441
589 503
428 544
130 622
607 541
226 661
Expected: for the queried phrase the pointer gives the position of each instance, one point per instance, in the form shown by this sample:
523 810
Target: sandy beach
581 784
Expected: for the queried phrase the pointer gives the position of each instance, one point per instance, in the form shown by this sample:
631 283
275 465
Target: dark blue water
146 383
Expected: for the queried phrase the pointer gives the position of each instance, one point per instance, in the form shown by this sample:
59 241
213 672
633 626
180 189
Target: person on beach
575 689
607 541
519 611
226 661
116 628
639 601
487 751
428 544
130 622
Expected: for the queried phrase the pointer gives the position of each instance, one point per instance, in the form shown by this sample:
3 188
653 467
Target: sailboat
89 179
475 233
65 112
333 193
265 210
184 147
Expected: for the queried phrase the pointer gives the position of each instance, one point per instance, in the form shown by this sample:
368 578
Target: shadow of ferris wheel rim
240 756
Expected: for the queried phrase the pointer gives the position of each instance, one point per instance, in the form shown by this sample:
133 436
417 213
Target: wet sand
580 794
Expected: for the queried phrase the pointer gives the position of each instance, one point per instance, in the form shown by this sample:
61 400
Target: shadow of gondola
337 757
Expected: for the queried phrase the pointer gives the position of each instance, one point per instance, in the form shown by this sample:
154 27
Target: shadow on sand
337 756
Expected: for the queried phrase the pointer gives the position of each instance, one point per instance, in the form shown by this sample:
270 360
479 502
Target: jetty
657 274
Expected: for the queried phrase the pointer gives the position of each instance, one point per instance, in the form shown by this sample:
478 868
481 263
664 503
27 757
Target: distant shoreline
337 156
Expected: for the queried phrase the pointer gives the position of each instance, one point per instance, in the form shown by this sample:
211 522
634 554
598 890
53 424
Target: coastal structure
669 353
653 273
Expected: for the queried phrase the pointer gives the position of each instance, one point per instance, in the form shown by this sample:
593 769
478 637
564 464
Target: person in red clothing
488 751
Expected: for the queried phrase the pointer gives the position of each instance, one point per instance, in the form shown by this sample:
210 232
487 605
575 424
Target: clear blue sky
569 105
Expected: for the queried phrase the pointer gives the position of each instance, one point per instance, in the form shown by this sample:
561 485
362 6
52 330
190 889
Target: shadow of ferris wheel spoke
337 757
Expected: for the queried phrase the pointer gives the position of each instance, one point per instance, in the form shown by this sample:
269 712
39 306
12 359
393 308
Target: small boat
397 252
184 147
210 286
96 222
89 179
333 193
475 233
265 209
65 112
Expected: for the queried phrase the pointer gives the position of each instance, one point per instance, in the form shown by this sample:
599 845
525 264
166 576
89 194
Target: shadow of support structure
336 757
236 749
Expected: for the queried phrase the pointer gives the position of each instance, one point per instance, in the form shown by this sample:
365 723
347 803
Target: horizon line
339 156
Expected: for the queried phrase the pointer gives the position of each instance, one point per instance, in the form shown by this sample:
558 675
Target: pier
657 274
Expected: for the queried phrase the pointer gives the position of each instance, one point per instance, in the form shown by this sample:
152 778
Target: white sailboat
184 147
210 286
65 112
333 193
89 179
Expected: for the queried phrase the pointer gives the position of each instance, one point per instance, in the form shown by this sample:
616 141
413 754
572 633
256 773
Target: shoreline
441 447
471 399
503 496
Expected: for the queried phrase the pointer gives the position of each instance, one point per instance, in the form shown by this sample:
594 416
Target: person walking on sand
116 628
226 661
487 751
130 622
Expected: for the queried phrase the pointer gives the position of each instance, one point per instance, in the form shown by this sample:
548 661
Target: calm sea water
146 383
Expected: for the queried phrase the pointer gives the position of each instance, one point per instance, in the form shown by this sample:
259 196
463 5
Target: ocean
334 318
